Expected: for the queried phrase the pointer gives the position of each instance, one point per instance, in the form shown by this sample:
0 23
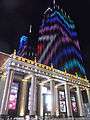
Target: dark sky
17 15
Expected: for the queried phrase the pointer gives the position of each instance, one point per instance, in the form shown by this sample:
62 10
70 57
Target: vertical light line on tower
54 2
30 30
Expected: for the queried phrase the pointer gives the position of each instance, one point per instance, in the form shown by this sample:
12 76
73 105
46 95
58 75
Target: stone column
80 101
41 101
33 96
38 99
56 101
23 97
88 94
52 86
5 99
68 100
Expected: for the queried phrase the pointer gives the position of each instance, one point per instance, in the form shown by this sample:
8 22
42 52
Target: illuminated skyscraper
58 42
26 46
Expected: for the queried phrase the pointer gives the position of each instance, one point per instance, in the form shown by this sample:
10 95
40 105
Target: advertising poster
13 96
62 102
61 95
62 106
74 104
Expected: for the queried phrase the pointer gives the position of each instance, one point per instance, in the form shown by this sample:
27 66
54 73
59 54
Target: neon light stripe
64 53
65 17
74 63
46 49
54 17
55 27
46 37
53 50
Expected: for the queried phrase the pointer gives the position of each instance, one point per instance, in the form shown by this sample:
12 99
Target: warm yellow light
35 60
19 58
43 66
39 65
28 61
21 112
23 59
47 67
14 54
32 62
25 80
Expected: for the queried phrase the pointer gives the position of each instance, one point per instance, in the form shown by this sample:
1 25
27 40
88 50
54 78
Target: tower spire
30 30
54 2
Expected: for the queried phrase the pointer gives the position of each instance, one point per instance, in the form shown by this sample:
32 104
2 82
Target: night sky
17 15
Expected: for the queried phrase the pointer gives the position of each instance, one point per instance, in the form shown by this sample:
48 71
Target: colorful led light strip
64 53
46 37
56 27
52 52
65 17
39 48
54 18
73 63
73 33
66 38
46 49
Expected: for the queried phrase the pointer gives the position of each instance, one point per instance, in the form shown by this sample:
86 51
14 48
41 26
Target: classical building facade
30 88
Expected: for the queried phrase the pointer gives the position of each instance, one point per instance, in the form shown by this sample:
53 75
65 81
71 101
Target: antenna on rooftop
54 2
30 30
